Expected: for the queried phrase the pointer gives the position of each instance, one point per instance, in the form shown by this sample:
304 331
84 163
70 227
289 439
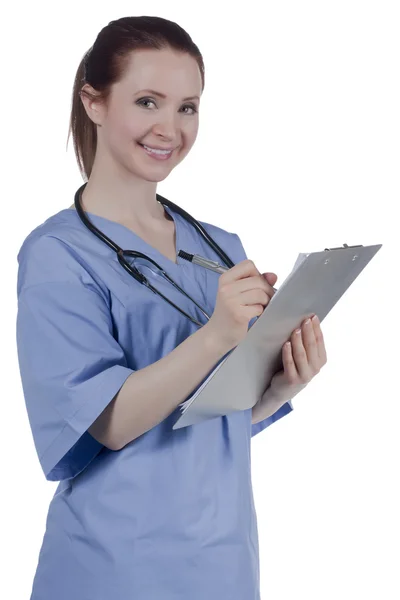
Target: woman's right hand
243 293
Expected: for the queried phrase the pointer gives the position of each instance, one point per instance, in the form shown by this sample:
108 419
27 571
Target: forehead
167 71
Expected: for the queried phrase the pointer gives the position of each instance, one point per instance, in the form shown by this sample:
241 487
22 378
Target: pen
211 265
204 262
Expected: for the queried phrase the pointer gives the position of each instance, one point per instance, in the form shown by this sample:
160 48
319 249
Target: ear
93 106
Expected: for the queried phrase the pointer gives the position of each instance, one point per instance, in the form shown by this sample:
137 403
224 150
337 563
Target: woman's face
135 116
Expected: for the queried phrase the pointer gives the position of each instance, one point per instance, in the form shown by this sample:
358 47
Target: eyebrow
160 95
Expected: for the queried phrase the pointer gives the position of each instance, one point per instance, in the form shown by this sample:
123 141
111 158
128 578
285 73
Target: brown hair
104 64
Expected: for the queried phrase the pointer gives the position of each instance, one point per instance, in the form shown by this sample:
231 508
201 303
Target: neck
124 200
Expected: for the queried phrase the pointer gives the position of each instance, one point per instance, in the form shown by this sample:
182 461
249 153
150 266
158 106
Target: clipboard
316 283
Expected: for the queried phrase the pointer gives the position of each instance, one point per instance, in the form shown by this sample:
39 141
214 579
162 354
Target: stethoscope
133 271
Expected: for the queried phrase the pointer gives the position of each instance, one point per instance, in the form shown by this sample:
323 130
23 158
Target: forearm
268 404
150 394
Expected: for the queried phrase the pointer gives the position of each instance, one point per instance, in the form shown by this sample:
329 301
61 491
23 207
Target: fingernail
314 319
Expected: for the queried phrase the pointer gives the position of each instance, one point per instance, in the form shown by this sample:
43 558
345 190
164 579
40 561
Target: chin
154 178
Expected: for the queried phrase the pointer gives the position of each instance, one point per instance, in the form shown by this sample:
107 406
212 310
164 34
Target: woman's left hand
302 357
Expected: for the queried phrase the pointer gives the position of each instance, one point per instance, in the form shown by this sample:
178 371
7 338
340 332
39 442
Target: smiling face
155 105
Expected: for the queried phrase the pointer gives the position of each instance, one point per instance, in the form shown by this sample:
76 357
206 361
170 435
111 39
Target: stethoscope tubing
133 271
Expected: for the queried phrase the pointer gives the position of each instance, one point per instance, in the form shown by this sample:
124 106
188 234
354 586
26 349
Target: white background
298 150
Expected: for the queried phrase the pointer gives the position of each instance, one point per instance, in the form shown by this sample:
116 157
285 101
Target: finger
310 346
289 364
252 283
271 278
300 356
243 269
268 288
319 337
267 281
254 296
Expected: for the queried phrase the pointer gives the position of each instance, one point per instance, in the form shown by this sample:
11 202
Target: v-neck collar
137 239
183 272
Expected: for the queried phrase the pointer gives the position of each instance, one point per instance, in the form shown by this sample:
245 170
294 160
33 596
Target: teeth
157 151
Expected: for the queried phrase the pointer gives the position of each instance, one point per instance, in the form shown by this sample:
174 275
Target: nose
166 126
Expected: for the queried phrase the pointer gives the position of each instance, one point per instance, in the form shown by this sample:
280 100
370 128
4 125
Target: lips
156 148
159 156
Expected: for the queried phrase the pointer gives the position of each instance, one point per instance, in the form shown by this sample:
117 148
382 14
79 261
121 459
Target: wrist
269 403
213 342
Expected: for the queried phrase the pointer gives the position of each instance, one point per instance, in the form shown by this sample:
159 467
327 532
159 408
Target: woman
142 511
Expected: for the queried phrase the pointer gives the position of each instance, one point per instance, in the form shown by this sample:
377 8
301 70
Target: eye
190 106
140 102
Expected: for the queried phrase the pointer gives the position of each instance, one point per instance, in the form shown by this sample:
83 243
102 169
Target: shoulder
52 251
55 227
228 240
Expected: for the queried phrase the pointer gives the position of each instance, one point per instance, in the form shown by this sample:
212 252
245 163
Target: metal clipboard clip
344 246
341 248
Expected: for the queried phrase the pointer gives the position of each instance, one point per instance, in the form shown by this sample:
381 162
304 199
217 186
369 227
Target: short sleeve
288 406
70 364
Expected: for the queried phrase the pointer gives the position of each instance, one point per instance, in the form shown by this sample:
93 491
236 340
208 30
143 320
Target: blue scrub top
171 515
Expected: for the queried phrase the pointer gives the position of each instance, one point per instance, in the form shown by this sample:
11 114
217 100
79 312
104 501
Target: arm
268 404
151 394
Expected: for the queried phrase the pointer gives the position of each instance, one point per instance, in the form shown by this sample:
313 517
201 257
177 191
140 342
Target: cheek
190 135
124 130
194 130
